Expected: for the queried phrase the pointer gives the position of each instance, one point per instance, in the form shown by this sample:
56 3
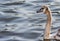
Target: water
20 22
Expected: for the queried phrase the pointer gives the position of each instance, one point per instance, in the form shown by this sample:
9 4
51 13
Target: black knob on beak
38 11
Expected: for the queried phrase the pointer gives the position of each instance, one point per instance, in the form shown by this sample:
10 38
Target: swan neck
48 26
49 18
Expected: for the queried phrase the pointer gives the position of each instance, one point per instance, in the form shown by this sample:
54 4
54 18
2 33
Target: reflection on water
20 22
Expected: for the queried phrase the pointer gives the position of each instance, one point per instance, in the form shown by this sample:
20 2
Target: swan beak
40 10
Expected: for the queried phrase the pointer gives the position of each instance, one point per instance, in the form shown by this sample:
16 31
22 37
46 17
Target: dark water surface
20 22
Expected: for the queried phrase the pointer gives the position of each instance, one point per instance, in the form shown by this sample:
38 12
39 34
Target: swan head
45 9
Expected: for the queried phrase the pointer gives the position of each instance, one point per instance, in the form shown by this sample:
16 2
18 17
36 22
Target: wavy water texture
20 22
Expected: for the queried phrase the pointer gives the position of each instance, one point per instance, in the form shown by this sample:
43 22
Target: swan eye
40 10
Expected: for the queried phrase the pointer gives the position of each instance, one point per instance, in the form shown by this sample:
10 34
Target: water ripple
30 26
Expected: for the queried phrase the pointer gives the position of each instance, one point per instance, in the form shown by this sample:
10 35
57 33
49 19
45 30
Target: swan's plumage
46 10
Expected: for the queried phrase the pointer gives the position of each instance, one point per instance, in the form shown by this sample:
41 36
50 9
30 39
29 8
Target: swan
46 10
